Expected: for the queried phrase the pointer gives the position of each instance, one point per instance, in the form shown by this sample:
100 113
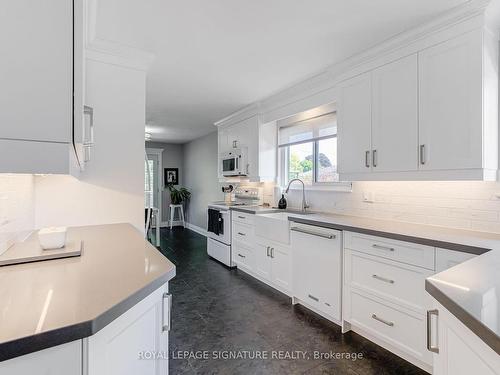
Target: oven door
225 236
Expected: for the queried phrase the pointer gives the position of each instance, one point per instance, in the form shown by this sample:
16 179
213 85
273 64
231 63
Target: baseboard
166 224
197 229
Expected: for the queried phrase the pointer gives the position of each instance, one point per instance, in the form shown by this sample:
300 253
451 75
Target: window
308 148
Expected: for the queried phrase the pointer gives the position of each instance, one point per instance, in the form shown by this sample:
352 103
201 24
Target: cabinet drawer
400 329
242 217
243 233
243 256
399 283
406 252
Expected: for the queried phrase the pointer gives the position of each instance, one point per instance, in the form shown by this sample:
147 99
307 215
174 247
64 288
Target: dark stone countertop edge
489 337
400 237
63 335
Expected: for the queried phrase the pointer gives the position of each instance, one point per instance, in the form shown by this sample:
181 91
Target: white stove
219 244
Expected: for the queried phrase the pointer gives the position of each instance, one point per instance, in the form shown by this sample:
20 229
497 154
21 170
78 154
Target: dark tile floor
216 310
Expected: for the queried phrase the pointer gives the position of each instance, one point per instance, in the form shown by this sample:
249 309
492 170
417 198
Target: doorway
152 190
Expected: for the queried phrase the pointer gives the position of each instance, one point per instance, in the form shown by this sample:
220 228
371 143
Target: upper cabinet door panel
450 105
395 116
354 124
36 70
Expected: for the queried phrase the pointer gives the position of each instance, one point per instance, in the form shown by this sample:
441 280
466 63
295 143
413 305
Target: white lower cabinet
457 350
125 345
273 264
384 297
134 343
317 269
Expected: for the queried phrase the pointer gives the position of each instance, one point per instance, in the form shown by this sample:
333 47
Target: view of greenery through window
301 159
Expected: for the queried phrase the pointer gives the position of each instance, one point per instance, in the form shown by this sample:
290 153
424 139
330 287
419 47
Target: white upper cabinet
354 129
37 83
451 131
260 141
432 115
395 116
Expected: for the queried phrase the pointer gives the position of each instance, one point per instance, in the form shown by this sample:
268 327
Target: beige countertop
48 303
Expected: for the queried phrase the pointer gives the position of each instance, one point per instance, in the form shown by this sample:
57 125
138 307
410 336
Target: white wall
16 208
200 177
111 189
465 205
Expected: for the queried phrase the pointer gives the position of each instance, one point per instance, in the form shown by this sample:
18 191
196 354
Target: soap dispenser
282 202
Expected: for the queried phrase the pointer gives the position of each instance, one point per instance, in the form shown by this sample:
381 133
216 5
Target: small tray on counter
31 251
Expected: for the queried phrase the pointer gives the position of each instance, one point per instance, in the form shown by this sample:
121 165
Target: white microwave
234 162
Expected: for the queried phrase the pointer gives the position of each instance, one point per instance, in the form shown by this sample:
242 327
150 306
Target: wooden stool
173 207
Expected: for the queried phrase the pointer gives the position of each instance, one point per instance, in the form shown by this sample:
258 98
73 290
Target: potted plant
177 196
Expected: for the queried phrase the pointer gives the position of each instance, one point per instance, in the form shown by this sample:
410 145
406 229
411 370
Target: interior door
36 70
354 125
152 184
450 104
395 116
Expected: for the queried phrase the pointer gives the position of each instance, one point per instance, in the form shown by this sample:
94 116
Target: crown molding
472 14
240 115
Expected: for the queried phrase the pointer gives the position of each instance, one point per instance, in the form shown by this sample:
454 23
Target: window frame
284 156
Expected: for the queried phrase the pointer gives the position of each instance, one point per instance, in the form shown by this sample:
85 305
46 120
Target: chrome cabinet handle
422 154
88 137
241 217
430 347
374 158
383 279
241 256
267 251
313 298
241 234
312 233
375 246
367 159
167 298
386 322
272 252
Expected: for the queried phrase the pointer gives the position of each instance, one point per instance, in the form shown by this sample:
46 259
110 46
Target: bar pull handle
241 256
272 252
312 233
313 298
430 347
422 154
267 251
386 322
166 308
367 159
88 135
375 246
374 158
383 279
241 234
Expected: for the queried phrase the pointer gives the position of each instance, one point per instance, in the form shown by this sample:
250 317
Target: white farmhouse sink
274 226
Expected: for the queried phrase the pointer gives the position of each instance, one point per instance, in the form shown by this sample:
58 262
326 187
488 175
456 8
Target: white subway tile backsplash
16 208
466 205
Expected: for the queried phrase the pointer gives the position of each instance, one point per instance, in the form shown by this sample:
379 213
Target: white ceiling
214 57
